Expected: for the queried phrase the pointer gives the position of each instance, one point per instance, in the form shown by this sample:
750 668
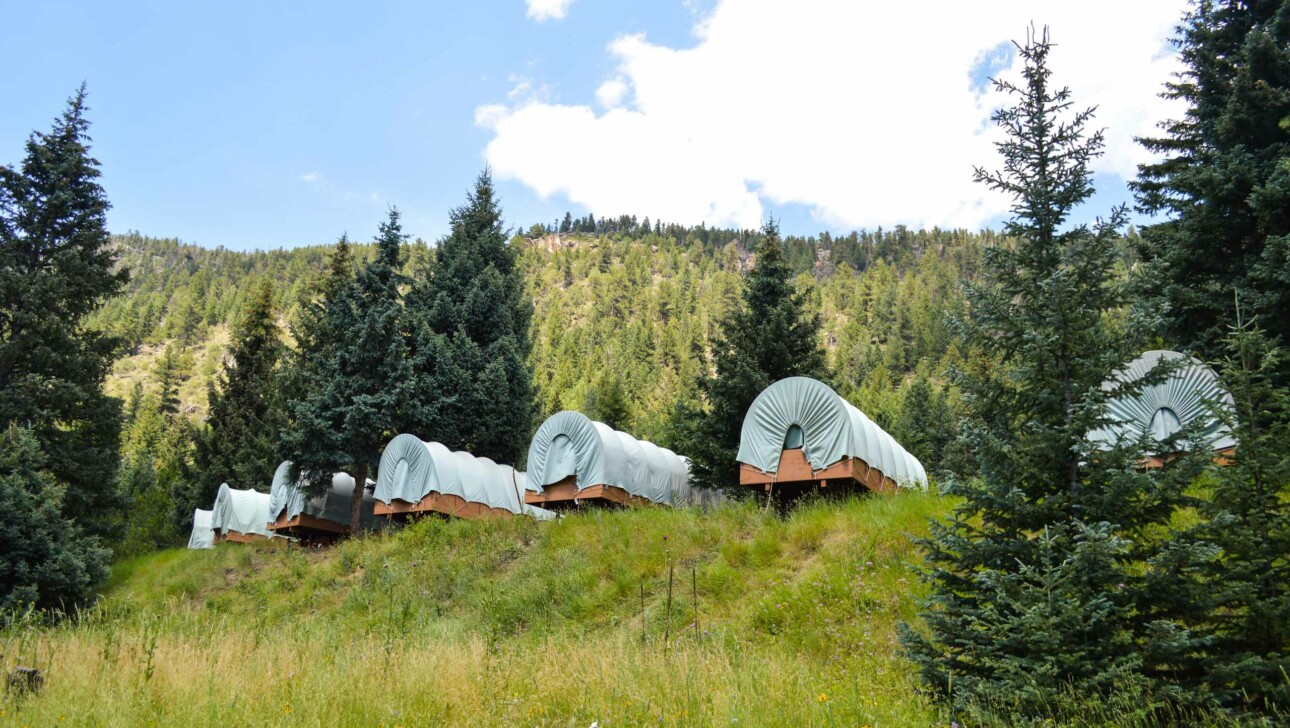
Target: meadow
773 621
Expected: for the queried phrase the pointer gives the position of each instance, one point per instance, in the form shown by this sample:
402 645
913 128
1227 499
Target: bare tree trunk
356 503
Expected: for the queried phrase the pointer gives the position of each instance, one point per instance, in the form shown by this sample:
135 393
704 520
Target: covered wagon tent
426 477
320 518
799 434
1182 400
573 460
241 516
202 536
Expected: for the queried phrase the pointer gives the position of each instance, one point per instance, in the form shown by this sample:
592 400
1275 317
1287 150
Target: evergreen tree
925 423
607 401
245 407
774 334
481 312
355 383
56 268
1053 578
46 562
566 225
1248 518
169 375
1224 181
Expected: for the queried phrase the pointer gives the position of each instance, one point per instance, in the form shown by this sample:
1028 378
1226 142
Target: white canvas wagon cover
1163 409
570 443
202 536
244 511
334 505
411 469
830 429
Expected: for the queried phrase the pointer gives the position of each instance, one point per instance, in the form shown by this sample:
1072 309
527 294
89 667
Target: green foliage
46 561
1247 589
157 479
1223 182
1054 575
774 334
240 444
57 269
474 303
449 622
354 388
621 312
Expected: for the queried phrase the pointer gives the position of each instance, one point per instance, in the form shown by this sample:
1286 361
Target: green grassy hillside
509 623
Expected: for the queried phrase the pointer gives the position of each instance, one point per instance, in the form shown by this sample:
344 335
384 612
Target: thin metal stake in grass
642 610
667 631
694 590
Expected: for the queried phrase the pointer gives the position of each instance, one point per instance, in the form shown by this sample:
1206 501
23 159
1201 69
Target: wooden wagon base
795 477
564 494
1222 458
238 537
308 528
443 505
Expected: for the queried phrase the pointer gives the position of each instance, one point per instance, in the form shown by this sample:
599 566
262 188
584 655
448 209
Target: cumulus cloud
611 93
543 10
868 114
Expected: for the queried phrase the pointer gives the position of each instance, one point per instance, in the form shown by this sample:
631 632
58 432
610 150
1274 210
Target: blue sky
259 125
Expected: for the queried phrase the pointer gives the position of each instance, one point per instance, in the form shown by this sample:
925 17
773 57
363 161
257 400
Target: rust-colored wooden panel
444 504
565 493
303 523
795 472
239 537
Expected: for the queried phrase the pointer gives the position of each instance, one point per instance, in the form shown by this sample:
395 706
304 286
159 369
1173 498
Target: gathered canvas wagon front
418 477
799 434
574 460
202 537
1182 403
240 516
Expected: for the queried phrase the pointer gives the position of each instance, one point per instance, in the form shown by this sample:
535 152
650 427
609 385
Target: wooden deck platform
308 528
795 475
441 504
1222 458
565 494
238 537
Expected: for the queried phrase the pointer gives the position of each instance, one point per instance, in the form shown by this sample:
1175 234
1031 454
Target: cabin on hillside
574 461
1179 401
800 436
240 516
320 518
418 477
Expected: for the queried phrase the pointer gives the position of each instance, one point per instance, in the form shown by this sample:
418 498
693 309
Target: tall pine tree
1051 580
774 334
1248 518
475 302
240 445
1224 180
56 268
355 384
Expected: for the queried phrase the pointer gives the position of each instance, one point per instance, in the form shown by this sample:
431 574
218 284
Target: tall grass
511 623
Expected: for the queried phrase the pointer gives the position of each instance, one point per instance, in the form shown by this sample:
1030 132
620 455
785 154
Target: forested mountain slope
621 318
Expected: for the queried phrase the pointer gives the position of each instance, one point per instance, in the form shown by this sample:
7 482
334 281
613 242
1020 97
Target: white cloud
867 115
543 10
611 93
310 177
